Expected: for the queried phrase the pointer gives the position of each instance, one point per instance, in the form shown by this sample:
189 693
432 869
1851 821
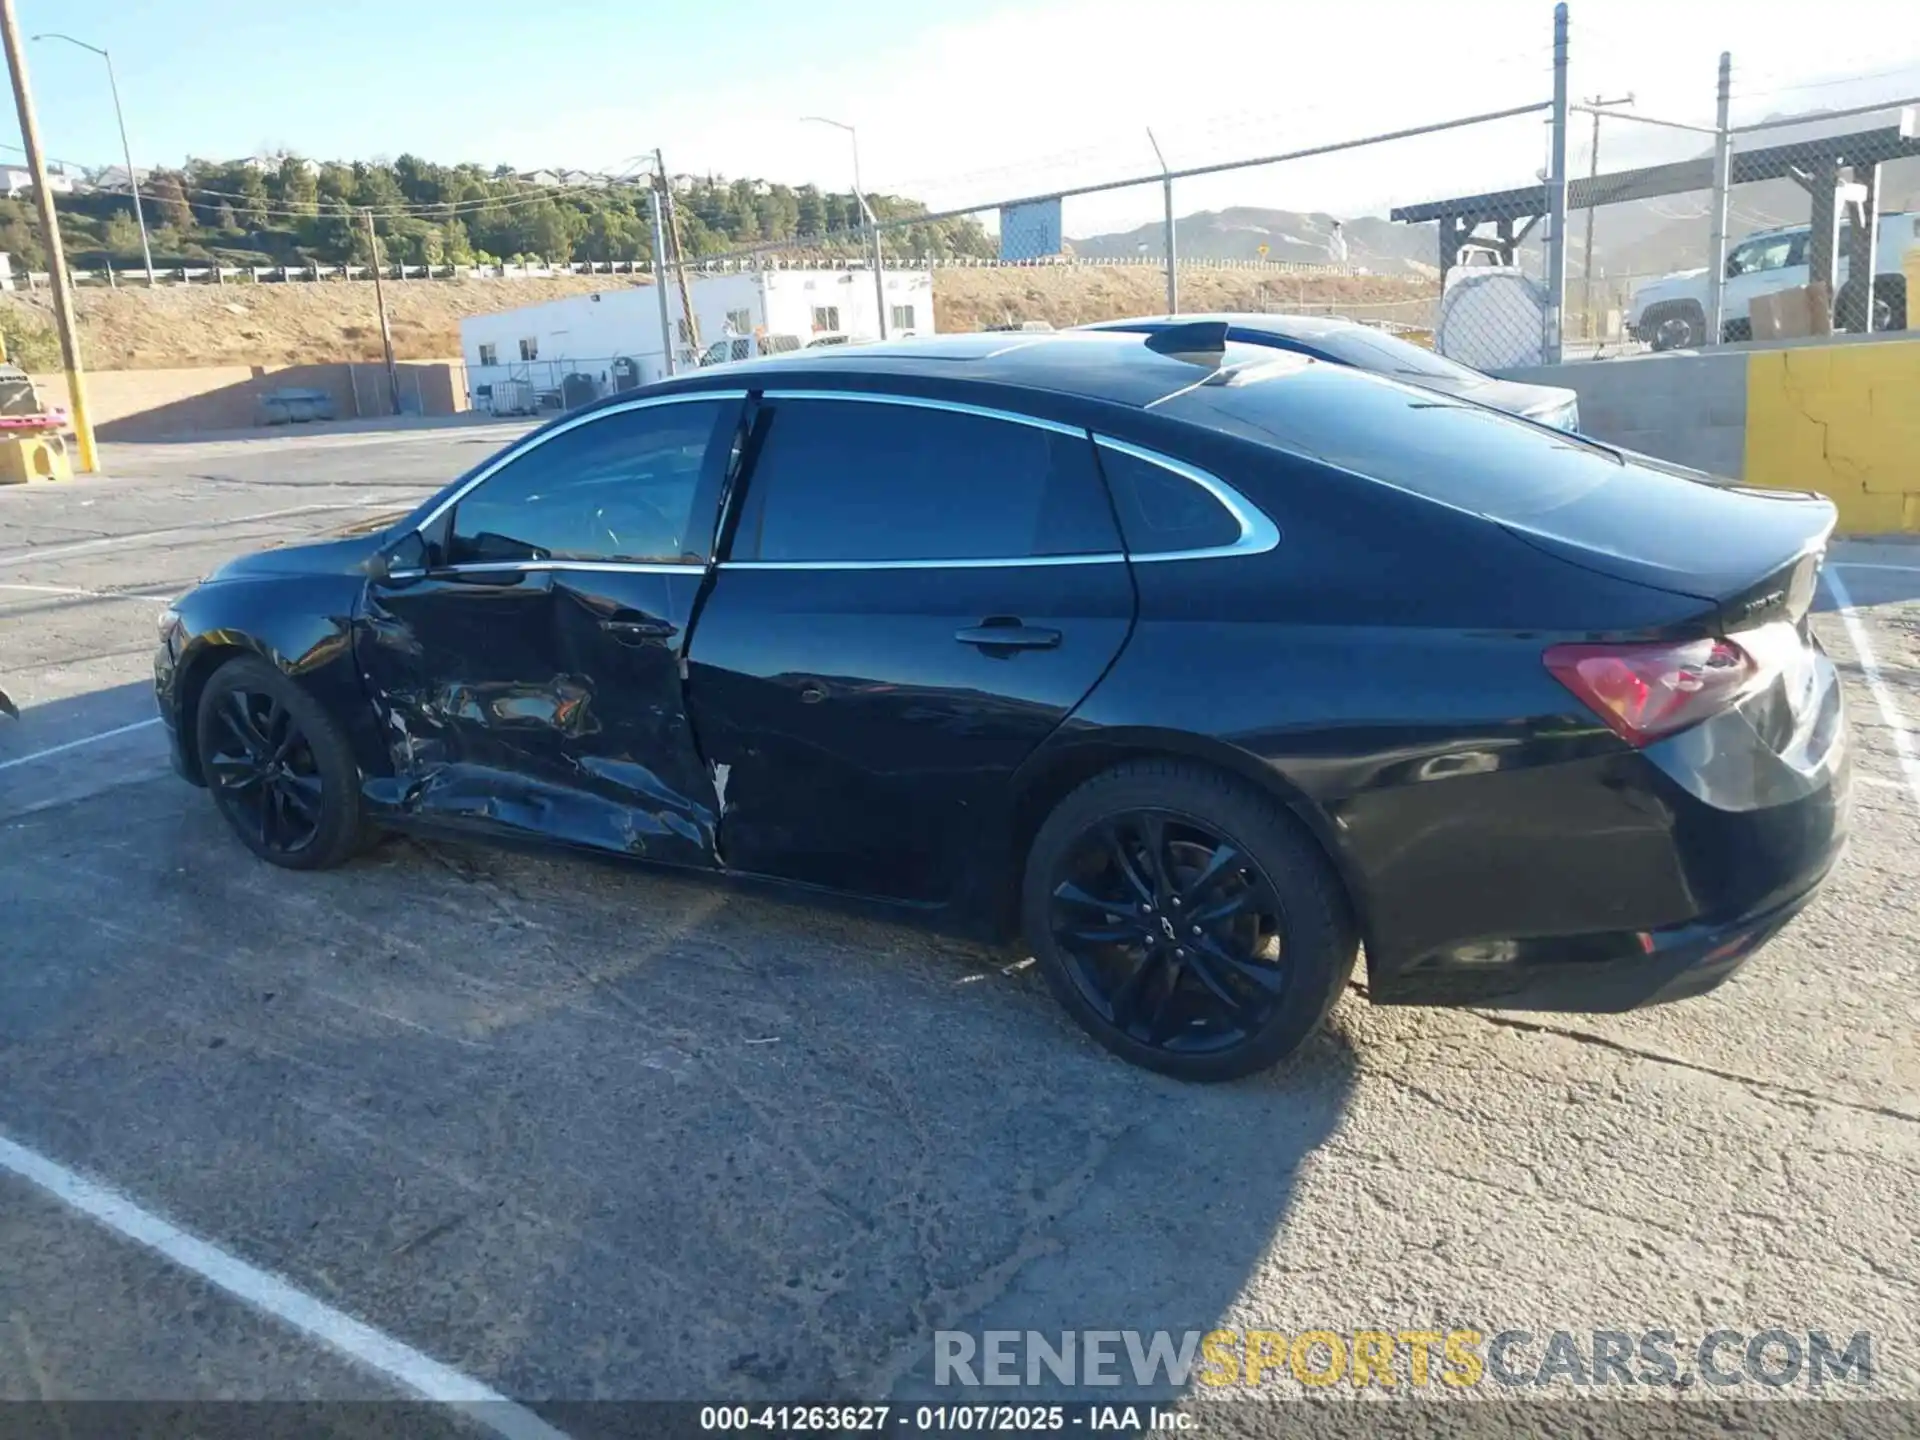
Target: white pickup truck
1671 313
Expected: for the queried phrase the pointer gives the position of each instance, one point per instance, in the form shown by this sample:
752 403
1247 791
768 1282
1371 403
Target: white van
732 348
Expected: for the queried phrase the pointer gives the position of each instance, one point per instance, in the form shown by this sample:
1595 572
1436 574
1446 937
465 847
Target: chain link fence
1176 242
1795 227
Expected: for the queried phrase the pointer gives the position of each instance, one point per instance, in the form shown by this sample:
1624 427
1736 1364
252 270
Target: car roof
1112 367
1289 327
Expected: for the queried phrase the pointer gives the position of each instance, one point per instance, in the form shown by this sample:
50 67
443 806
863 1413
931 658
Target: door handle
638 630
1007 633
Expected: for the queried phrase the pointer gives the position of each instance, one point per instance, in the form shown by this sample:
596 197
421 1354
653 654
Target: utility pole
1173 268
50 233
1722 178
1555 327
380 301
1593 175
688 320
660 276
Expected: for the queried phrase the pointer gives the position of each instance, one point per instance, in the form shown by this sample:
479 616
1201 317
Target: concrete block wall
1843 421
1840 416
136 405
1690 409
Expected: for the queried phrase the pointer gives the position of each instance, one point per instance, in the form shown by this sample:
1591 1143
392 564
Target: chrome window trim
534 567
500 462
1258 534
1028 562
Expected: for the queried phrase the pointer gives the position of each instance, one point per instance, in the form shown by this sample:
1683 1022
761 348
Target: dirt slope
133 328
1079 294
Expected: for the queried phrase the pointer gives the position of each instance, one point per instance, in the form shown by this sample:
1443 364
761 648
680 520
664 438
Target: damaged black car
1199 668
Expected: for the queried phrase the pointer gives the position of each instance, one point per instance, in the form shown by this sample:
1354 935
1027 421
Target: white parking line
398 1362
76 590
1877 684
208 530
1864 565
76 744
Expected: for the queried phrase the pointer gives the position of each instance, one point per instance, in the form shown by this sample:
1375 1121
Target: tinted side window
619 487
1162 511
850 480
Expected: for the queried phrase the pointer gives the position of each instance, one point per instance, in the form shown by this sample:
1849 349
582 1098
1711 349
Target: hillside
1640 238
177 326
1077 295
1238 232
287 210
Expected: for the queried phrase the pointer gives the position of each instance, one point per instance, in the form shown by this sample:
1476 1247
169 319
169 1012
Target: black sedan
1343 342
1201 667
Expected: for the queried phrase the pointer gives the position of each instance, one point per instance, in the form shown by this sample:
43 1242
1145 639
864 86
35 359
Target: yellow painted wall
1843 420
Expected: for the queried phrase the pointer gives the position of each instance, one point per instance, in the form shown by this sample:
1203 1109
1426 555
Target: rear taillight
1646 691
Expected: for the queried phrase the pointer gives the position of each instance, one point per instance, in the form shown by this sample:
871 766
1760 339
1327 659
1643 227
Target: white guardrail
287 274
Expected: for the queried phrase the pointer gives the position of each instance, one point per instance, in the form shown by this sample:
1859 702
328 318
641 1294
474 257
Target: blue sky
955 102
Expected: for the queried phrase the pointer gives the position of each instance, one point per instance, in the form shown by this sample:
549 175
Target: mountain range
1638 239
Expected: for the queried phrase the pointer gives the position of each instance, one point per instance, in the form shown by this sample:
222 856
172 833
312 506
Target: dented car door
529 671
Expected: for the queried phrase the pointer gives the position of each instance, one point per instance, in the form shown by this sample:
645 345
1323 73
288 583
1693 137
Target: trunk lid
1753 554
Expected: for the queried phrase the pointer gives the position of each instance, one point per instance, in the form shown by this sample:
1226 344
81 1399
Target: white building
612 337
17 180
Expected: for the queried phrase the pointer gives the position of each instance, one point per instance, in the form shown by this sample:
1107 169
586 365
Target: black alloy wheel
1171 932
281 771
263 772
1188 921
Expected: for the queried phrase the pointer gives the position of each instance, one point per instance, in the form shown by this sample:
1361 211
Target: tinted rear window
1390 355
1463 455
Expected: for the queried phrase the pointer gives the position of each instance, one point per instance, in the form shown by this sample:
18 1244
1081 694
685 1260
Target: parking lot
561 1131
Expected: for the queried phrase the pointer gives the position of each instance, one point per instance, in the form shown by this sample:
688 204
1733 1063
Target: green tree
333 184
610 235
377 188
20 235
810 211
256 203
457 246
170 201
224 220
551 230
295 186
121 236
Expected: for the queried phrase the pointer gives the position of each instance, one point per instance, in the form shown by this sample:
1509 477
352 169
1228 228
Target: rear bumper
1674 964
1638 881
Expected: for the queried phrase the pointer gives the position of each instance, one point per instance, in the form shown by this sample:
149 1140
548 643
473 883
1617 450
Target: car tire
1675 326
1271 861
1889 303
279 768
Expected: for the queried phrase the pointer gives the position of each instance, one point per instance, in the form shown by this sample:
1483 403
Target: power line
525 193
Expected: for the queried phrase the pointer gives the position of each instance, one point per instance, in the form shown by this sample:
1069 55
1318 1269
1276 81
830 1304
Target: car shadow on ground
595 1132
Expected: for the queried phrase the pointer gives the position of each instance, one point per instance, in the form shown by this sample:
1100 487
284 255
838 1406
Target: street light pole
1593 174
133 179
873 221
